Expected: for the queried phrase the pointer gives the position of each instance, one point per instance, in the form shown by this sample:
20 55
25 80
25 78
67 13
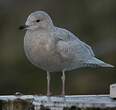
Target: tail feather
98 63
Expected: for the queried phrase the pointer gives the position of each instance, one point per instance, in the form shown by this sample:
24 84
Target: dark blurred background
94 21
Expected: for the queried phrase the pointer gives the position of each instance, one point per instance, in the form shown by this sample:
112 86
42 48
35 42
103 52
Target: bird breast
40 50
39 45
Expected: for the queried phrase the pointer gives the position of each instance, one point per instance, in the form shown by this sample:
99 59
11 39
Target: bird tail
98 63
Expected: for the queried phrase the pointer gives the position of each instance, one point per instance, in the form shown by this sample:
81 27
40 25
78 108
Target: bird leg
63 83
48 84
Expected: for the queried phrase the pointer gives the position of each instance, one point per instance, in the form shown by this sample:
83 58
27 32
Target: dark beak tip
22 27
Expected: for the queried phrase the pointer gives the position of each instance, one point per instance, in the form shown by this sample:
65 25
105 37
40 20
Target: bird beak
23 27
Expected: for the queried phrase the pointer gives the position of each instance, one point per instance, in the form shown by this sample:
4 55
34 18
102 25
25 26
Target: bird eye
37 20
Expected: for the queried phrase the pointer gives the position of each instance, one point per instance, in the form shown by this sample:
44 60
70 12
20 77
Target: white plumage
55 49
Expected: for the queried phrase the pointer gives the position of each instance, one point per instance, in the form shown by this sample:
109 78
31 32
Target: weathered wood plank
74 102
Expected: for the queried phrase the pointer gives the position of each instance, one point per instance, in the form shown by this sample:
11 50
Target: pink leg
63 82
48 84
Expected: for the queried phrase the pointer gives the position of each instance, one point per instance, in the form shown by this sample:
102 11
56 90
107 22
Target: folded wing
74 48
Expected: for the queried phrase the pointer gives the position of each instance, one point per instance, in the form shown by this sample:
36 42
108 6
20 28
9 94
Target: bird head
38 20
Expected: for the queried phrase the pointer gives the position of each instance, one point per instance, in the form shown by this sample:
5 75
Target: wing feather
74 48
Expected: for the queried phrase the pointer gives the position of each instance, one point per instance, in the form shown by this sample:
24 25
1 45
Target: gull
55 49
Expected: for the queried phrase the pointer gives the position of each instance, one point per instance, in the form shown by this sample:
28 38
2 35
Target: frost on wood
75 102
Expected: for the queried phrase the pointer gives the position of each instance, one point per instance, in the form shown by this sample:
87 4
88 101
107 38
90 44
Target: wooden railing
71 102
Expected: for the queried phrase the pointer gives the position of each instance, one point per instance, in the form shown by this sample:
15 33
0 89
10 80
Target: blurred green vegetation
94 21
